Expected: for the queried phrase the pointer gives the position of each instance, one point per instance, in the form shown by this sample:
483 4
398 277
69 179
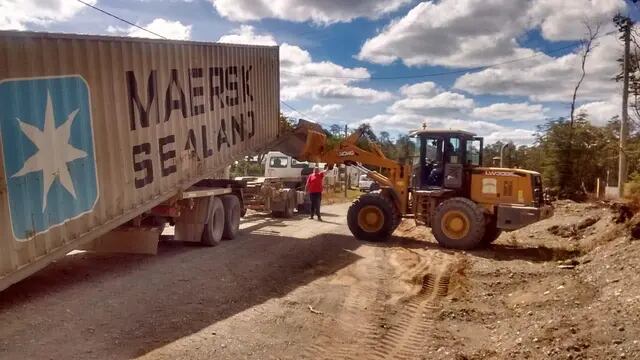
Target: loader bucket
305 143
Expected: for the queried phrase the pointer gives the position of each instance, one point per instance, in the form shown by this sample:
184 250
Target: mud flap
127 240
190 225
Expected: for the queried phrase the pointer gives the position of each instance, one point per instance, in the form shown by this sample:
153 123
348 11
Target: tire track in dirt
415 321
358 319
360 330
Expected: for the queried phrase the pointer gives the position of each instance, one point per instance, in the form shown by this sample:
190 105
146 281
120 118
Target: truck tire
491 232
458 223
371 218
213 228
288 207
284 214
232 213
288 210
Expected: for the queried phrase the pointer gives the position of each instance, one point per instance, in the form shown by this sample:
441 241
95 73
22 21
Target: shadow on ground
122 306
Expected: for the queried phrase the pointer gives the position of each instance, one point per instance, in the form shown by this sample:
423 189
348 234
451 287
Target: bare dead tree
567 182
592 34
634 81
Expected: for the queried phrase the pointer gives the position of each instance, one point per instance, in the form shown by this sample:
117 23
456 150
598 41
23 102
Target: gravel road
298 288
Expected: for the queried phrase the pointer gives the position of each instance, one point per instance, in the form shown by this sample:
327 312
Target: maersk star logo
47 145
54 151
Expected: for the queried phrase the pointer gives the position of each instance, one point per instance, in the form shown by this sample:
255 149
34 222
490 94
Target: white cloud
301 77
170 29
468 33
426 102
517 136
600 112
322 112
551 79
459 33
426 88
16 14
490 131
246 35
510 111
561 20
427 99
320 12
445 103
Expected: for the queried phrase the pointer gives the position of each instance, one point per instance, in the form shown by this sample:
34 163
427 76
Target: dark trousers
316 199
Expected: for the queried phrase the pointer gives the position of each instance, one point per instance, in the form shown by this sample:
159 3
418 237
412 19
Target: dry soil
564 288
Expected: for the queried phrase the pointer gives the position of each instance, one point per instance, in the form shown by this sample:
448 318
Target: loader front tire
458 223
372 218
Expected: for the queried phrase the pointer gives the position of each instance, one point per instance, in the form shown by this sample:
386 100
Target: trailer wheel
232 213
371 217
458 223
283 214
288 207
212 234
288 210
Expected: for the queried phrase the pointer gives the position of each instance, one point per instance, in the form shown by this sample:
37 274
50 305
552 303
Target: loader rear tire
372 218
232 214
212 234
458 223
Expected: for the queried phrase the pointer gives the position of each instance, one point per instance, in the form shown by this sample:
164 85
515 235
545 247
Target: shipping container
97 130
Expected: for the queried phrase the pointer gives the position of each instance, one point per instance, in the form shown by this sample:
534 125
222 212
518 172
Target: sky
394 64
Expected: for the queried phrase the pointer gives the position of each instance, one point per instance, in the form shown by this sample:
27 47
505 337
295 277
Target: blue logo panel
48 150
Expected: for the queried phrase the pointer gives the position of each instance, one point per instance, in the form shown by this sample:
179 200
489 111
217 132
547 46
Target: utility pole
347 178
625 26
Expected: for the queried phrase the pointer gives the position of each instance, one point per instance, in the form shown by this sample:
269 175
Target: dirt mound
573 230
583 305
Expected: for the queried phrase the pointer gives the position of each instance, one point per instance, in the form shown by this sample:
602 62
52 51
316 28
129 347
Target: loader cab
444 157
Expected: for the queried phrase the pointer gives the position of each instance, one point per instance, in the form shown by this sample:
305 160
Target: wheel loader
446 188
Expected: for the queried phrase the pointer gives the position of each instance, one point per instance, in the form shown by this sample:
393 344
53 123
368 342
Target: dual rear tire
223 220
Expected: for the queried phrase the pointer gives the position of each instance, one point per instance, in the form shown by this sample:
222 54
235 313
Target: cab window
279 162
473 152
298 165
452 151
434 149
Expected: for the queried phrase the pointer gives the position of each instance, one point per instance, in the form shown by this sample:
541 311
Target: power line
121 19
451 72
298 111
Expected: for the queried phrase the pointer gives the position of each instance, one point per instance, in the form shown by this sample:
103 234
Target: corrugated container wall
96 130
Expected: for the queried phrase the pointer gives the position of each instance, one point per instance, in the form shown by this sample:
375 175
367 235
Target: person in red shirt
314 189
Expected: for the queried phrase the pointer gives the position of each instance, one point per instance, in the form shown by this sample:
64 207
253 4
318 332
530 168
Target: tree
286 123
385 137
592 34
405 149
336 130
571 177
568 158
367 132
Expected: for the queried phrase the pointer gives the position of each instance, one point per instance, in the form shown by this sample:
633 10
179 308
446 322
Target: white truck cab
365 183
279 165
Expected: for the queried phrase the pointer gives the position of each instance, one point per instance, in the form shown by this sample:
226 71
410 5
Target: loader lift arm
395 180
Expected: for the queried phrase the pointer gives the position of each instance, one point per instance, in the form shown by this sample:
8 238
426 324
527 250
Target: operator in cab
314 189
